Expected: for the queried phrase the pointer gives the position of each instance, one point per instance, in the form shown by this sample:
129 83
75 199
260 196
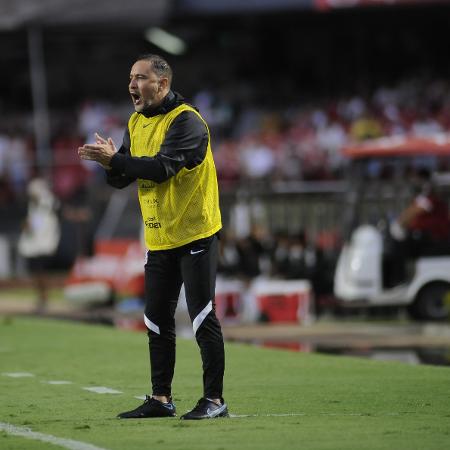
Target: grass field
280 399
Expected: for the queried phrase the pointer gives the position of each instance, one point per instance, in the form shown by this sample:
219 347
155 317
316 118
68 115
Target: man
40 237
426 219
167 149
423 228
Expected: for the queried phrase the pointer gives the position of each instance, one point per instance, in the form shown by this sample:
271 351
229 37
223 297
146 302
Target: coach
167 149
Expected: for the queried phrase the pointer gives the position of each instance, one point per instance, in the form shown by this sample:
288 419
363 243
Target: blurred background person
40 236
422 228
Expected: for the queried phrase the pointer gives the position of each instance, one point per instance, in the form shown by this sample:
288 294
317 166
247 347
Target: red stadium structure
333 4
437 145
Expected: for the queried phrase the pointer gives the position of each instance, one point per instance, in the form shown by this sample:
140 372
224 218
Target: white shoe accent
201 316
150 325
194 252
216 412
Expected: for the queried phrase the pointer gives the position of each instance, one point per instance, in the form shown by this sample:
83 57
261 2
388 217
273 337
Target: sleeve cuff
118 162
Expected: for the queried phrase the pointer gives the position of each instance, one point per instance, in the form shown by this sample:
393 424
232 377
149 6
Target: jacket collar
170 101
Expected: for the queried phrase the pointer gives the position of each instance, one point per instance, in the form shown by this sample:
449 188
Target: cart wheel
432 302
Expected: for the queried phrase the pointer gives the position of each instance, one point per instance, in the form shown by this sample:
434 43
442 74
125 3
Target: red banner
334 4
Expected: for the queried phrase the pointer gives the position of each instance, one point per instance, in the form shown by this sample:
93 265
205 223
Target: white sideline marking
239 416
140 397
102 390
57 382
29 434
17 374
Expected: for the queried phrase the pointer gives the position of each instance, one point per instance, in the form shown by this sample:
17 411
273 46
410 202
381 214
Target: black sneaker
206 409
150 408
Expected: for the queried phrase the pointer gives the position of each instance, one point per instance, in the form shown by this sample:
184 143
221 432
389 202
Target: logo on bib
150 222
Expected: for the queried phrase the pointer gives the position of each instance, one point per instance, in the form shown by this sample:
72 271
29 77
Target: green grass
342 403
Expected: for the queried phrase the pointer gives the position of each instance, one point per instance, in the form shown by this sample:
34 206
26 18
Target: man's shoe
206 409
150 408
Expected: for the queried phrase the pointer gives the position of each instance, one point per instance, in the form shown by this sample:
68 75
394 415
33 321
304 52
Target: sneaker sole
145 417
221 414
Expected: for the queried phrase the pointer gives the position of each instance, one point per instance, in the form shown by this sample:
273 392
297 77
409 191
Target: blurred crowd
68 175
280 255
252 142
304 142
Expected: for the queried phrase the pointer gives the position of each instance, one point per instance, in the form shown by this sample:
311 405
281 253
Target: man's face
146 88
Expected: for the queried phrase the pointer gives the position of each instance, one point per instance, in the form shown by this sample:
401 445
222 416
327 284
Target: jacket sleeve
185 145
114 177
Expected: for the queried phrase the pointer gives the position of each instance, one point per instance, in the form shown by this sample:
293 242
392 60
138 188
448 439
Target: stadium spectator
69 175
18 162
4 149
256 158
167 149
423 228
280 254
254 253
40 236
229 259
227 163
302 258
6 193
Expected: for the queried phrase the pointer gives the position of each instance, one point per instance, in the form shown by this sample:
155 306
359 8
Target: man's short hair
159 65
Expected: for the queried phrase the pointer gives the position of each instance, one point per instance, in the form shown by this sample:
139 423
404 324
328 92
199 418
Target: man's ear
163 84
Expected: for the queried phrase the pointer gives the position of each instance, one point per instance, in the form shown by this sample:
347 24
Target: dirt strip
338 334
344 334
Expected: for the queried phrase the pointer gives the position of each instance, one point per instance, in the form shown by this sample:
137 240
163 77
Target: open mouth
137 100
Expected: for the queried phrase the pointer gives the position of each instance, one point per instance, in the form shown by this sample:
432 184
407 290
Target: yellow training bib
183 208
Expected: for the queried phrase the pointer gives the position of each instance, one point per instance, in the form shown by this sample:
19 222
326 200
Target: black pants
165 271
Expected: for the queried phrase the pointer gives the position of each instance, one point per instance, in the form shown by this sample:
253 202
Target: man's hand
102 151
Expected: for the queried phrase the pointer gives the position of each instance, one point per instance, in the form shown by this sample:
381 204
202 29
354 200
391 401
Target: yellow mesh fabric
183 208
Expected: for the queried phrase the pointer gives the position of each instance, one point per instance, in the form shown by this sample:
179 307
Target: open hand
102 151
